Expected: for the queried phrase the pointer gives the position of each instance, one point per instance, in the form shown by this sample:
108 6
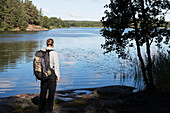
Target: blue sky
72 9
75 9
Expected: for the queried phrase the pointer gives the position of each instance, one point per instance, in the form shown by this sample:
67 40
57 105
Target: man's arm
56 66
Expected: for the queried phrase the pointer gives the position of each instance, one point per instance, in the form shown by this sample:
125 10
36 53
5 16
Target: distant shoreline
34 28
31 29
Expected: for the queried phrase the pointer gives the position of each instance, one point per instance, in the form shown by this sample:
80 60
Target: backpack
41 65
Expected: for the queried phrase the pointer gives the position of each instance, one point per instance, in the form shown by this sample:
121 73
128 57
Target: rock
91 108
66 110
100 100
5 105
93 95
36 100
35 28
101 107
112 92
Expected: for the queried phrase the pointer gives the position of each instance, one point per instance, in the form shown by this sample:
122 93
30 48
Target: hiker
51 82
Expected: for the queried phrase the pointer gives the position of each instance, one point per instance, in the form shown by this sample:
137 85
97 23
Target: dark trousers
49 85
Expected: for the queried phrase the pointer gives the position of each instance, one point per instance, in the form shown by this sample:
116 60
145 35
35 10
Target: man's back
54 62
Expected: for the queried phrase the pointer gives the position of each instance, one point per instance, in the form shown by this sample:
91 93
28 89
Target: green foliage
161 71
19 13
45 22
85 24
168 24
119 16
32 13
13 14
58 23
145 17
2 27
28 109
57 101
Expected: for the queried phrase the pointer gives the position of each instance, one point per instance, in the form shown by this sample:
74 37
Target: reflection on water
82 63
15 52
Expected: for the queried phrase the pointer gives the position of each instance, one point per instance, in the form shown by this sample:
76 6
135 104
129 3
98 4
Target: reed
161 70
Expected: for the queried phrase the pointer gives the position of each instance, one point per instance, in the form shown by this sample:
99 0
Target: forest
20 13
85 23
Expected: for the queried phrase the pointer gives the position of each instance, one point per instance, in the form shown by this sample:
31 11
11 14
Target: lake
82 62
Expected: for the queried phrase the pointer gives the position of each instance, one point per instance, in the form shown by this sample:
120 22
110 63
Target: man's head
50 42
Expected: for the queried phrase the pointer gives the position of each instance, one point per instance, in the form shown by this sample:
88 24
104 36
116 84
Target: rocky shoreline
30 28
36 28
109 99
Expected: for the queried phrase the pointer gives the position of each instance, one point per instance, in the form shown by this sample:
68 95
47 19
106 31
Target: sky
91 10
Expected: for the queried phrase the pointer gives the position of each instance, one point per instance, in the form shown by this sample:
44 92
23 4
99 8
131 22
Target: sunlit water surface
82 62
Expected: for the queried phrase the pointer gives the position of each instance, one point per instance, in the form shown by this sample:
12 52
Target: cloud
46 11
73 14
96 0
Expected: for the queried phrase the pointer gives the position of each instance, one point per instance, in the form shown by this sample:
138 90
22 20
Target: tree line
20 13
85 23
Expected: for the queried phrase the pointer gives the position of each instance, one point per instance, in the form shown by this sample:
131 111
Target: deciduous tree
147 18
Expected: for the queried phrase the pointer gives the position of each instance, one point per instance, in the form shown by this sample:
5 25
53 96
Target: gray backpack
41 65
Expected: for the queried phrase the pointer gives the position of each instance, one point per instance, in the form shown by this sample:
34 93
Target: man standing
50 83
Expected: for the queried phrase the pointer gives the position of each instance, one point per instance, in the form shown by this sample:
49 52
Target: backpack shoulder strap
48 50
47 57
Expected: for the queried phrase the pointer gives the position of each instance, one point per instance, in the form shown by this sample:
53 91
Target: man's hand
58 79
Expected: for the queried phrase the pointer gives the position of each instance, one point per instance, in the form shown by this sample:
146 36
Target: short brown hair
50 42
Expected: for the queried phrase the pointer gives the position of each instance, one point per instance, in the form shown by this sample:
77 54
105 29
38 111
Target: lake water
82 62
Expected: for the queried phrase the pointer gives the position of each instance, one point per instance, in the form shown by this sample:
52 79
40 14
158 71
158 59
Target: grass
161 71
31 108
57 101
28 109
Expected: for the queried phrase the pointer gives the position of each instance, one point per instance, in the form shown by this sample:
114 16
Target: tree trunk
142 64
138 48
149 64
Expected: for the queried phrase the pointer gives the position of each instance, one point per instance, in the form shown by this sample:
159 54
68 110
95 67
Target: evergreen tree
7 15
40 16
20 13
22 17
2 14
29 11
45 22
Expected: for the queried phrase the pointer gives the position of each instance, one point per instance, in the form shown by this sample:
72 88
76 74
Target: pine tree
2 14
22 16
7 15
40 16
45 22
